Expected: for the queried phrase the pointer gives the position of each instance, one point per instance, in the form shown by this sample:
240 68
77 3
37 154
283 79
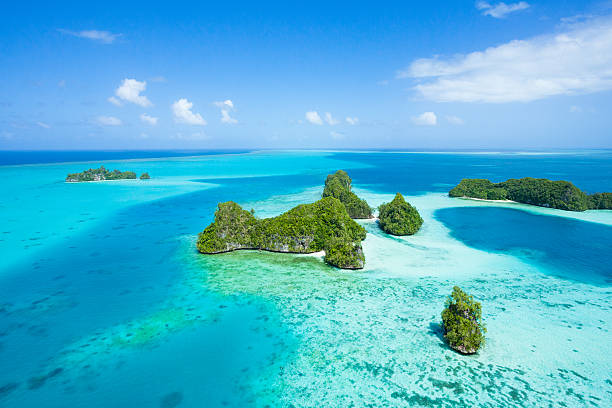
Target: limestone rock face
321 226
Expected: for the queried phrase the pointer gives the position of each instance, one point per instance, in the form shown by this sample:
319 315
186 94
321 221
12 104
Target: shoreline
487 201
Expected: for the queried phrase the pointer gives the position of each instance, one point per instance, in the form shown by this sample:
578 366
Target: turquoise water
105 303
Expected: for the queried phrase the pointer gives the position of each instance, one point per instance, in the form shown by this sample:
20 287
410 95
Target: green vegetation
338 185
601 201
321 226
560 194
99 175
398 217
462 322
145 176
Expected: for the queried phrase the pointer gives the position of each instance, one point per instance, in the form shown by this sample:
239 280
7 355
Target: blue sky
438 74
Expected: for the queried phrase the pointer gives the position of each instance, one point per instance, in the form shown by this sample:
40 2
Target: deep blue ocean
104 301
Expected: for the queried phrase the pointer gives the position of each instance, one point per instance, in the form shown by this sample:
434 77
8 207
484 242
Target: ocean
104 301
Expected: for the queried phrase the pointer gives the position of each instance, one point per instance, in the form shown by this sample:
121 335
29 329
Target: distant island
561 195
338 185
398 217
323 225
102 174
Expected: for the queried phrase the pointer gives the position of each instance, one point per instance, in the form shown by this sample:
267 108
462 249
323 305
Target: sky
455 74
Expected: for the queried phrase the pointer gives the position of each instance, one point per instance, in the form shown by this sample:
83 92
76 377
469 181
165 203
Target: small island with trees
560 194
102 174
398 217
462 322
338 185
321 226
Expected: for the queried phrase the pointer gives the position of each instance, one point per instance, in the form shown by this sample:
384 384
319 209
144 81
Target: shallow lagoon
121 311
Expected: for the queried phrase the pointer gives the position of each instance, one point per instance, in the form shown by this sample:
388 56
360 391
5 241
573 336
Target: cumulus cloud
104 37
226 118
129 91
108 121
500 10
314 118
576 61
352 121
425 119
226 106
148 119
454 120
183 114
330 119
114 101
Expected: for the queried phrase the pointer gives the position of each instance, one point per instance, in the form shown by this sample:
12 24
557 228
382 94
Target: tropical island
399 217
102 174
338 185
145 176
462 322
323 225
559 194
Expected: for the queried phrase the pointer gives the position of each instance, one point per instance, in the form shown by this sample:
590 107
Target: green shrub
600 201
398 217
323 225
338 185
145 176
462 322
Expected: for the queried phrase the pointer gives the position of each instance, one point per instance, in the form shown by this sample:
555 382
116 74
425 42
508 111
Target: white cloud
576 61
148 119
352 121
500 10
455 120
336 135
314 118
108 121
425 119
330 119
114 101
183 114
43 125
226 104
226 118
104 37
575 109
130 90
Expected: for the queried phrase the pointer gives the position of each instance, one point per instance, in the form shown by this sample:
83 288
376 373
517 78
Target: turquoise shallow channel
104 301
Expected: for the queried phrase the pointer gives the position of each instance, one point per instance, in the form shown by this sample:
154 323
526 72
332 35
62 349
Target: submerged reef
398 217
338 185
462 322
101 174
559 194
321 226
